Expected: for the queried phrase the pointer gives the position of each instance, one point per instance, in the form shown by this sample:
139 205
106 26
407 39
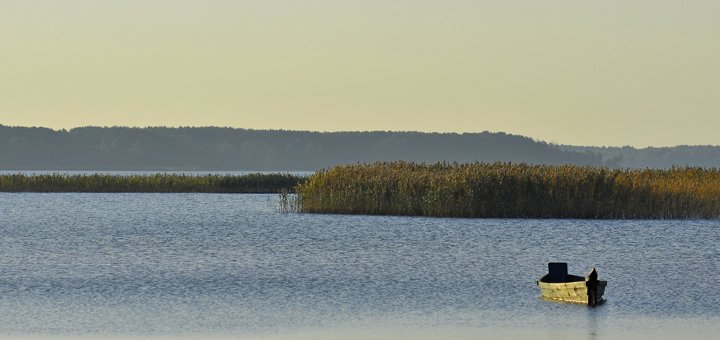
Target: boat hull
584 292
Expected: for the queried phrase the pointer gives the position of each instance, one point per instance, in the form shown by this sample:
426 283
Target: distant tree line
705 156
215 148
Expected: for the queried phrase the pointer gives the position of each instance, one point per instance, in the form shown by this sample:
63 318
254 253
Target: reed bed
162 183
503 190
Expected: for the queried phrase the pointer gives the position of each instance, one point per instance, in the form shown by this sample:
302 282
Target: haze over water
232 266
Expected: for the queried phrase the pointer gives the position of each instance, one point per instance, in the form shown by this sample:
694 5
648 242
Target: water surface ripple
232 265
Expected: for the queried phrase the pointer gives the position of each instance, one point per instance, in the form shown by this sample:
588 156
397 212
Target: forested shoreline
231 149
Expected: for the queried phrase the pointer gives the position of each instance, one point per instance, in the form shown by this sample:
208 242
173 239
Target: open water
233 266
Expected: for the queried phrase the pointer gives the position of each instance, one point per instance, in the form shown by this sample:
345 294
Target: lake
155 266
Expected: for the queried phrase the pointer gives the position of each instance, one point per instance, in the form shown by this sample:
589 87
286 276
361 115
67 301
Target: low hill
215 148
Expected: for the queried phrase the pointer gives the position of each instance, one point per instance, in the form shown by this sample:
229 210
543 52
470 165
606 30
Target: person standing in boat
592 287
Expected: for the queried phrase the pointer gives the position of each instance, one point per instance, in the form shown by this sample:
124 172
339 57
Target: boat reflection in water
558 285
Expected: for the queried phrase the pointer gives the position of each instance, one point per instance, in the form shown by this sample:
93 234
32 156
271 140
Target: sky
611 72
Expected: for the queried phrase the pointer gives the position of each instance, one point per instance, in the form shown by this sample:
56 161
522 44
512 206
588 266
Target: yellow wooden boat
558 285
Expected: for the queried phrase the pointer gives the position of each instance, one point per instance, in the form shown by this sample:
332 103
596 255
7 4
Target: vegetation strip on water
161 183
504 190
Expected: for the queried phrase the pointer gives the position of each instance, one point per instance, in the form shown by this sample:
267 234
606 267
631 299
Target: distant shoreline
227 149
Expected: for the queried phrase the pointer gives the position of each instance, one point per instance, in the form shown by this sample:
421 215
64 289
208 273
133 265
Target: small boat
558 285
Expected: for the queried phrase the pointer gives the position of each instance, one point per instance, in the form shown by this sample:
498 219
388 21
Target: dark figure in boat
558 285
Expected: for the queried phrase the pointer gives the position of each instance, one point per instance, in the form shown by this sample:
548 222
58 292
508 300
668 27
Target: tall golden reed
503 190
249 183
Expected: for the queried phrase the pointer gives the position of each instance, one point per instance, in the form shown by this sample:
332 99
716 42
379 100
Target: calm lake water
232 266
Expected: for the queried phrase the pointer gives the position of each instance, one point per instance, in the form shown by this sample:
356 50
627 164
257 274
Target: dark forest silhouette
214 148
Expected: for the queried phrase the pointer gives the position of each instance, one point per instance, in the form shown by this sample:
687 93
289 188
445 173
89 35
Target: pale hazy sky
602 72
